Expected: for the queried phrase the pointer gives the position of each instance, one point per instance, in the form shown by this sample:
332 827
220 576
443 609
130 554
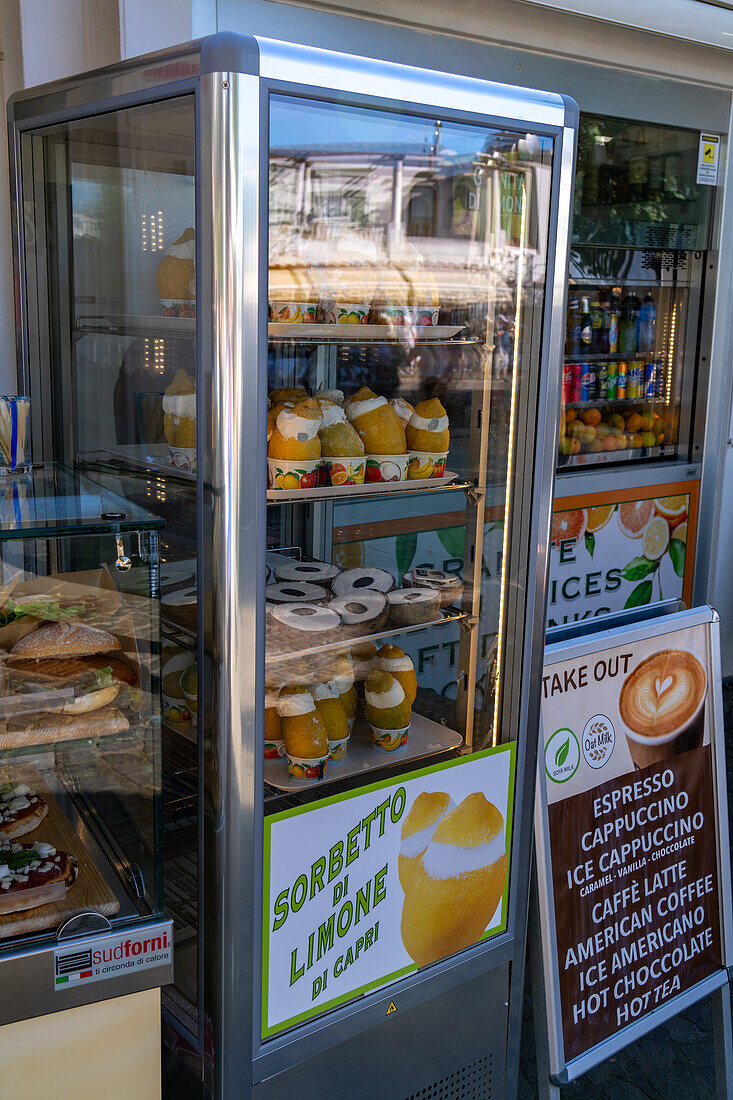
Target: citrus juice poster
363 888
622 549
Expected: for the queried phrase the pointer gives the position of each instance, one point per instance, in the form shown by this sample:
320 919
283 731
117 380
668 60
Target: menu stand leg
546 1090
723 1040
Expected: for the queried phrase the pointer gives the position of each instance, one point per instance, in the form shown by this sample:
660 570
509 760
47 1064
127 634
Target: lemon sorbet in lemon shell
303 730
296 432
454 890
392 659
339 438
427 428
418 829
387 706
333 716
377 423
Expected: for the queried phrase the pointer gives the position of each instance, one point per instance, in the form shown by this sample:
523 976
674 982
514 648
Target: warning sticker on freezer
707 159
103 957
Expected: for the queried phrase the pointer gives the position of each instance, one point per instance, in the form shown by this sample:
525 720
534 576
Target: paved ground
675 1062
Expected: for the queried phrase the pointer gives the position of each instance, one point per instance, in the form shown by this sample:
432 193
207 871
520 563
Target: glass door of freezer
109 206
406 289
641 225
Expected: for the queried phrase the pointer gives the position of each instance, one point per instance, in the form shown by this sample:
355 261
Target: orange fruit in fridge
591 416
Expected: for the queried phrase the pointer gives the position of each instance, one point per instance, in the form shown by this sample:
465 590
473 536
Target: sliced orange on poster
599 516
656 538
569 525
633 516
672 508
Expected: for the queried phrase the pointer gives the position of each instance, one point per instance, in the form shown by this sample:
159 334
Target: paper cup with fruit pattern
178 307
176 710
347 313
425 315
301 768
423 465
293 313
389 740
274 750
285 474
337 749
183 458
344 470
386 468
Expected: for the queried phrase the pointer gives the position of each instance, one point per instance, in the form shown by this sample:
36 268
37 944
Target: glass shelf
426 738
382 488
612 357
50 500
342 645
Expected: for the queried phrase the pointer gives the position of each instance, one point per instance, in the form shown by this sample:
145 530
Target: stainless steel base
453 1046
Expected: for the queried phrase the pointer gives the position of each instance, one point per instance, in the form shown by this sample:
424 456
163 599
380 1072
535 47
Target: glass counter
80 828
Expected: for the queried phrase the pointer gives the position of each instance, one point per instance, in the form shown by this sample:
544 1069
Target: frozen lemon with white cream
338 437
418 829
392 659
342 679
387 710
333 716
377 423
403 409
427 428
455 887
179 411
295 435
304 734
176 274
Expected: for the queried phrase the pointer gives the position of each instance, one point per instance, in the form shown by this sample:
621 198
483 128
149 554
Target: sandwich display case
308 309
80 829
635 373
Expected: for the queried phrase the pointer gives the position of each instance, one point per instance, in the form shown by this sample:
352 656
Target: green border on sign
268 1032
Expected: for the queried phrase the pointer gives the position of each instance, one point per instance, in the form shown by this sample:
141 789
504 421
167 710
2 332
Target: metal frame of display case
232 77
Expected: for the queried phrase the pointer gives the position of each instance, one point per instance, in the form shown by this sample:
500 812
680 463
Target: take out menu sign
627 780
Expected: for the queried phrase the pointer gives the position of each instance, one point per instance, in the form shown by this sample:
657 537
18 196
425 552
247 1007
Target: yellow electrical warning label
707 159
392 1008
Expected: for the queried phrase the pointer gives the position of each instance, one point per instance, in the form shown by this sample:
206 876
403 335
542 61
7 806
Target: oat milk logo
562 756
599 738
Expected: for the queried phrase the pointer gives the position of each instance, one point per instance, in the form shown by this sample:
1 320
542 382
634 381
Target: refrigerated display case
81 867
309 310
635 370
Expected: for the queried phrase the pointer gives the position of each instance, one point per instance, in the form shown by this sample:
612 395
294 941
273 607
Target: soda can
659 382
588 382
621 380
634 380
567 383
650 378
611 383
575 386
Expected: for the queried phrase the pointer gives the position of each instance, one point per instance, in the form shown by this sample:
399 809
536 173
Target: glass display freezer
309 309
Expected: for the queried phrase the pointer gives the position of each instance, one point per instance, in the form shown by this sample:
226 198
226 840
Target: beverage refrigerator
636 369
308 309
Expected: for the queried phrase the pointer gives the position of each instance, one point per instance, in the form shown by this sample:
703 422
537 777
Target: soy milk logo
562 756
